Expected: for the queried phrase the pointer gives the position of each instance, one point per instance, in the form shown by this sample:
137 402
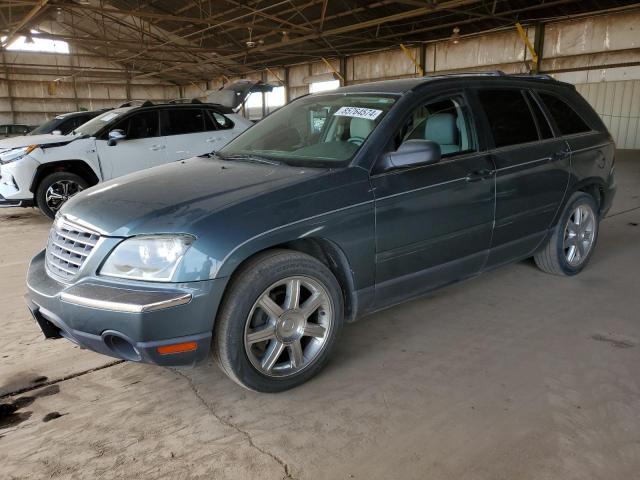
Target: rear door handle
155 148
479 175
211 140
561 155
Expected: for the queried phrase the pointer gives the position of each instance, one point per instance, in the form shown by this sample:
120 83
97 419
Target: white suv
53 168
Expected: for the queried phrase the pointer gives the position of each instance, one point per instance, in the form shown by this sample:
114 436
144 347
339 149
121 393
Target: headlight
153 257
16 153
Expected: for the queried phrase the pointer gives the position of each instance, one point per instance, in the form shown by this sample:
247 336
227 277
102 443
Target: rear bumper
130 322
609 194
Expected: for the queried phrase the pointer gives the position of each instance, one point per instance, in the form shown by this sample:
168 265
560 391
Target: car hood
26 140
178 196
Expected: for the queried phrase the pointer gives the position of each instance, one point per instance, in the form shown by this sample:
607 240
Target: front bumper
168 324
15 182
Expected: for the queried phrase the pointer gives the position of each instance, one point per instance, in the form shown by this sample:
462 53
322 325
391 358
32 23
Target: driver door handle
479 175
155 148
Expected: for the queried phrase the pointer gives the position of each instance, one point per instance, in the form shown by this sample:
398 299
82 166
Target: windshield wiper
250 158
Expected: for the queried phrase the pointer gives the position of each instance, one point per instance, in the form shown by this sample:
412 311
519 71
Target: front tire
278 322
55 189
574 238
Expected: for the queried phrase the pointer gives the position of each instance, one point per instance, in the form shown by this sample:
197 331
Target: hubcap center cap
290 326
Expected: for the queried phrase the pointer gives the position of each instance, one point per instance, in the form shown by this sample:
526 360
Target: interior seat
139 128
359 130
441 128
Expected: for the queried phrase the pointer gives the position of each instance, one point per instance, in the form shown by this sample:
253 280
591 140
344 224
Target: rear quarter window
544 129
222 122
567 119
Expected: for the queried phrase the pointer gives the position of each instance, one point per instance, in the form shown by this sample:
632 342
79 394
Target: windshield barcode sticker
358 112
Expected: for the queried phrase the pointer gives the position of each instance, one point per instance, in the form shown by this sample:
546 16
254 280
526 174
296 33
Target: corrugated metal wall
68 82
618 103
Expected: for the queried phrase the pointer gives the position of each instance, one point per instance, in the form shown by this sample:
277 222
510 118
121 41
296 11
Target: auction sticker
358 112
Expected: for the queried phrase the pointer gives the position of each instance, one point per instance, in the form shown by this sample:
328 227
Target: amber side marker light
177 348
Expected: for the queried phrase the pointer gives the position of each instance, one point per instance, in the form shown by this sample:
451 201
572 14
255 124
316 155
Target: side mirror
412 153
56 132
114 136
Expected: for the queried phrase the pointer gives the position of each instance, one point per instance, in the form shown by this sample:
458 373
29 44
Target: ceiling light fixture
250 43
455 36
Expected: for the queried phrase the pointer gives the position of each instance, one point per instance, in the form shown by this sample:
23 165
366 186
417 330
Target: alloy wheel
59 192
288 326
579 234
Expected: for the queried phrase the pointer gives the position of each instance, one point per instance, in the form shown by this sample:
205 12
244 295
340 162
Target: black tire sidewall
50 179
245 290
576 200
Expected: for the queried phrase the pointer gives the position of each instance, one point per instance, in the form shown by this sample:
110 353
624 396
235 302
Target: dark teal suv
336 205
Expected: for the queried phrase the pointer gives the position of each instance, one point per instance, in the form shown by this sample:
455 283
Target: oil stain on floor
614 340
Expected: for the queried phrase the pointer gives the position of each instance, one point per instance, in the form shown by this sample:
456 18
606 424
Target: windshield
47 127
317 130
94 125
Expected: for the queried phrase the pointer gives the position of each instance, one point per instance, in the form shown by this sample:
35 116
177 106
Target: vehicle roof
151 106
404 85
81 112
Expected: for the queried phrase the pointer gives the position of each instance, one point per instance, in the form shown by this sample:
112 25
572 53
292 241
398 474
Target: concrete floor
513 375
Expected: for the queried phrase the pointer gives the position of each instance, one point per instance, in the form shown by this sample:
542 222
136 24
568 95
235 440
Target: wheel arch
594 186
79 167
328 253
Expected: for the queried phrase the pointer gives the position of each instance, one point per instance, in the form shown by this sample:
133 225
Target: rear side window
544 129
566 118
221 121
509 117
185 120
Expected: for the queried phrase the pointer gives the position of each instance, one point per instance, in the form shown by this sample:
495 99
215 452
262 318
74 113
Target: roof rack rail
185 100
541 76
139 103
491 73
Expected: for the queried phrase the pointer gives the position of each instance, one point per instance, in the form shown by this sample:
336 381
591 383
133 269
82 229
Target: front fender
350 228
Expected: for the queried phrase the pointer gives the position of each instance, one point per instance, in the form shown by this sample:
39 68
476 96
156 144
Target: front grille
68 248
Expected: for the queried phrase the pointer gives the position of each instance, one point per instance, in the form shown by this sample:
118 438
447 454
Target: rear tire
574 238
55 189
279 321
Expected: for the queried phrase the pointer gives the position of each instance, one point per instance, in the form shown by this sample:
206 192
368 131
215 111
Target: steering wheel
356 140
